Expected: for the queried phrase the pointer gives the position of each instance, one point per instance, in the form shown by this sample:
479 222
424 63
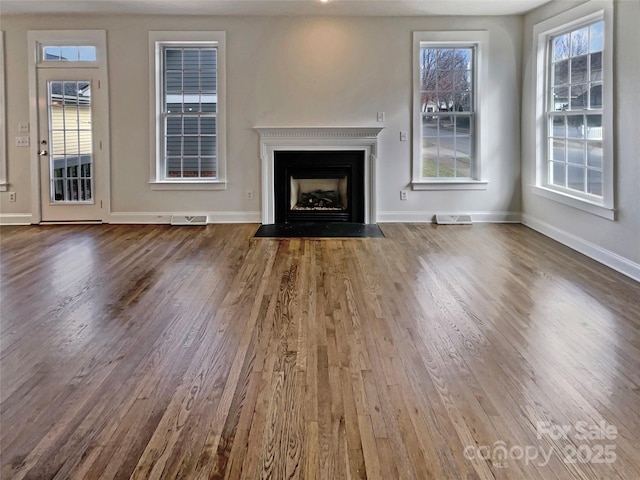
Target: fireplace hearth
319 186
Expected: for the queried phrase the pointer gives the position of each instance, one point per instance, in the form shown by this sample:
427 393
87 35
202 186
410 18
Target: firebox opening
319 186
319 194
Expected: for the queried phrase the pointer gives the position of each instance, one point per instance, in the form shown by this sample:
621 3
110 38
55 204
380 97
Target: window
189 111
68 53
189 122
445 127
446 99
70 133
575 164
574 110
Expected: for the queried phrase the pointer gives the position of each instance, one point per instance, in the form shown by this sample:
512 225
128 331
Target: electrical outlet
403 136
249 194
403 194
381 116
22 141
12 196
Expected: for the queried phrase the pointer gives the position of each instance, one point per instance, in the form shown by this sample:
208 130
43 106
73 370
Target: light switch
23 127
403 136
22 141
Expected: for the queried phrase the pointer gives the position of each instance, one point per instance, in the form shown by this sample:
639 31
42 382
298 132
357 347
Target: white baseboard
429 217
606 257
165 218
15 219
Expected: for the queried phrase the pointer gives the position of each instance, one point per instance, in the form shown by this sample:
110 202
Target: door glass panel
70 141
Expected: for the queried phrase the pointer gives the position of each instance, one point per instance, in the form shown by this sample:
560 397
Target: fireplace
358 205
319 186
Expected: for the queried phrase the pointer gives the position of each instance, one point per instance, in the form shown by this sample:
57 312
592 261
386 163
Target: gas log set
319 199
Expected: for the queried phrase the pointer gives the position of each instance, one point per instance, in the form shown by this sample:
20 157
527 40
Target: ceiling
274 7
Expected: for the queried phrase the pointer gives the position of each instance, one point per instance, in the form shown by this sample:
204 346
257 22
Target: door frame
97 38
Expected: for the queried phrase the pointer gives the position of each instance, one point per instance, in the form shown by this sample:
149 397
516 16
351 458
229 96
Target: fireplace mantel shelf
319 132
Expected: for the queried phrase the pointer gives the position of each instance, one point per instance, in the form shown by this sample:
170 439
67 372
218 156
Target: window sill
189 185
575 202
449 185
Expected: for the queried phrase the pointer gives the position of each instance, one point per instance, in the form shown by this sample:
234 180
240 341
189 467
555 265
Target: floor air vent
188 219
453 219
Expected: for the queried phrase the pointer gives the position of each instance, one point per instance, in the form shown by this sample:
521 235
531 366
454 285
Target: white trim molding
3 121
606 257
15 219
450 185
273 139
192 185
575 202
319 132
165 217
429 217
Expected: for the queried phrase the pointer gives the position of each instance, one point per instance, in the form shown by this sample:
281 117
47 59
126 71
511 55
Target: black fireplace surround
341 204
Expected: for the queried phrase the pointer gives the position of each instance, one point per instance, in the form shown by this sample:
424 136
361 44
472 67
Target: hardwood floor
438 352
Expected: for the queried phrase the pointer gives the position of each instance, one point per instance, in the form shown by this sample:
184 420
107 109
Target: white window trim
156 40
590 11
39 38
478 38
3 121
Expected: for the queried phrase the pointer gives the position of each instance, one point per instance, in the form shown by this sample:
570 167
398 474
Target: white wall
285 71
616 243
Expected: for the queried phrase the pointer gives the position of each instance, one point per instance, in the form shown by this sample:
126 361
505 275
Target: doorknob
43 153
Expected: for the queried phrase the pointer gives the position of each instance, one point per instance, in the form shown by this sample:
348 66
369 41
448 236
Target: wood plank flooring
438 352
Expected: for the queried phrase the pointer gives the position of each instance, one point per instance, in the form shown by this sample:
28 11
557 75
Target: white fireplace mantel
319 132
273 139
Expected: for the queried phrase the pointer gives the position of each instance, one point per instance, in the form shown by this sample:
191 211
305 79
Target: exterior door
72 184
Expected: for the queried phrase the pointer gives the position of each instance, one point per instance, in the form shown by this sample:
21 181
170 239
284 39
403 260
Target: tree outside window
447 111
